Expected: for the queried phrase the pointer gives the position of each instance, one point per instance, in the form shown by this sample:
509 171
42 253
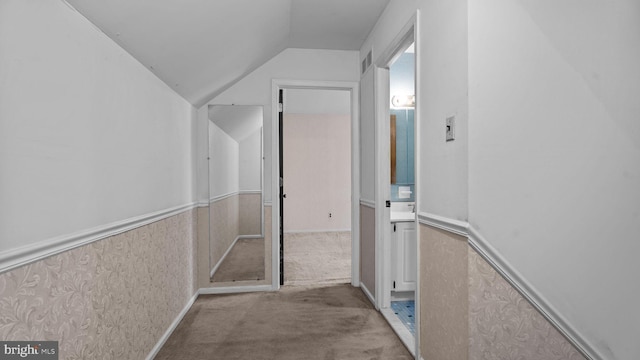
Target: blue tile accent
406 312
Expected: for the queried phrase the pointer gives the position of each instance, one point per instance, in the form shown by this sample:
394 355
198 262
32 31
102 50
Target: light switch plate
451 128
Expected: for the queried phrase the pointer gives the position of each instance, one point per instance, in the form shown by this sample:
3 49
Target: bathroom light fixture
403 101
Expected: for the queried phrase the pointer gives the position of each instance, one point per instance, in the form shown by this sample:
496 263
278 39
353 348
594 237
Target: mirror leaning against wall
237 246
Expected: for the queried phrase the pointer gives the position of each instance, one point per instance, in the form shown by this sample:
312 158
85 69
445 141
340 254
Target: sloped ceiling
202 47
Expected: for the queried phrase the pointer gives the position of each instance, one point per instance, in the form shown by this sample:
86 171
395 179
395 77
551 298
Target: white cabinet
404 256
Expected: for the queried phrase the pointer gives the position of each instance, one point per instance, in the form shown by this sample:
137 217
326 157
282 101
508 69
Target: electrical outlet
451 128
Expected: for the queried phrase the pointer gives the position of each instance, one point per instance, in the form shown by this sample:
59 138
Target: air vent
366 62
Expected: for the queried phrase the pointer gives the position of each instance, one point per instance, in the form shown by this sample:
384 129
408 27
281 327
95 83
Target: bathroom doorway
397 121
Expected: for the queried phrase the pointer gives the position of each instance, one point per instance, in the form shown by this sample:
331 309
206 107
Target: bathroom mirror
236 216
402 146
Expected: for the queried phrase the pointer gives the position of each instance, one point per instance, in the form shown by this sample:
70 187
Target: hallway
298 322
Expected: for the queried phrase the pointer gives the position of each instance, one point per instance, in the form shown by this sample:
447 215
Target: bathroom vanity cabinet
404 255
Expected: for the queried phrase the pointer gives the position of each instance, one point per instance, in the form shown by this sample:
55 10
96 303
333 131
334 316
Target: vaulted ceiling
202 47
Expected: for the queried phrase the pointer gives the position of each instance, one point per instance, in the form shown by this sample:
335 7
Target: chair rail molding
479 244
14 258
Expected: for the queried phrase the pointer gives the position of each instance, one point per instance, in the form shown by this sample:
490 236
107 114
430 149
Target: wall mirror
236 216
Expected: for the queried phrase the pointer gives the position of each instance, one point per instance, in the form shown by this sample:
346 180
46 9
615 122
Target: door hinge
394 227
394 284
280 107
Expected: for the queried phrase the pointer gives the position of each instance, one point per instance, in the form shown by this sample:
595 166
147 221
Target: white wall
555 155
88 136
553 160
250 162
443 79
317 160
224 160
312 101
255 89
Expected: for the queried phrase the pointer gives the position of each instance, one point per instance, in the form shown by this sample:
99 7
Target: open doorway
316 166
397 193
279 187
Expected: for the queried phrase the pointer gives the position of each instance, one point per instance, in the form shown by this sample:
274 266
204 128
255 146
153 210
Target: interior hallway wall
510 72
317 160
93 148
255 89
554 153
87 133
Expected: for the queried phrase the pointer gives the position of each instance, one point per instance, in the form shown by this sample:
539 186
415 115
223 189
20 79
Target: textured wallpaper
111 299
250 217
503 325
443 295
225 226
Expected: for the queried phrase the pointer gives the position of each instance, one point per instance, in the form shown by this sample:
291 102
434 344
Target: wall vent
366 62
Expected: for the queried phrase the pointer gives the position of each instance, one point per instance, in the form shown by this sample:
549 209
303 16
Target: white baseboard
316 231
400 329
172 327
368 293
234 289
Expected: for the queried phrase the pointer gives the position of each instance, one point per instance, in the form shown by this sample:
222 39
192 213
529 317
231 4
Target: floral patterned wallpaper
503 325
463 296
111 299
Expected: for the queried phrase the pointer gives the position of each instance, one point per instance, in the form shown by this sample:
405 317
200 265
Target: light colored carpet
330 322
245 261
317 258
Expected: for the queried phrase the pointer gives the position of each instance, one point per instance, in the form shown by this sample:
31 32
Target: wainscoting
469 311
111 299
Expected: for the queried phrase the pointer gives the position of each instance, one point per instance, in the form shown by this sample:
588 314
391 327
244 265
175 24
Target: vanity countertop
402 211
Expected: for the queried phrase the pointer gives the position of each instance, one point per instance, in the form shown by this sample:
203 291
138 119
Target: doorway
397 231
316 166
332 217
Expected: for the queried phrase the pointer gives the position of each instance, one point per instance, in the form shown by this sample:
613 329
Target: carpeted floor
323 322
317 258
245 261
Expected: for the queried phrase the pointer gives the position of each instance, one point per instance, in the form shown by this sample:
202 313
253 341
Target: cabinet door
405 256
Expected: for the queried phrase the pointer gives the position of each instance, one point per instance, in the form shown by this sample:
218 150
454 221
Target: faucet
413 207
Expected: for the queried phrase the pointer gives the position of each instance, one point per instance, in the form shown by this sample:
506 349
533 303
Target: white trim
481 246
382 187
202 203
215 268
14 258
234 289
250 192
453 226
537 300
368 293
315 231
256 236
368 203
223 196
268 203
400 329
163 339
417 173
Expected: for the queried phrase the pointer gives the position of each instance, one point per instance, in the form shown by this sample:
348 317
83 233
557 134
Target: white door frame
353 87
407 35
